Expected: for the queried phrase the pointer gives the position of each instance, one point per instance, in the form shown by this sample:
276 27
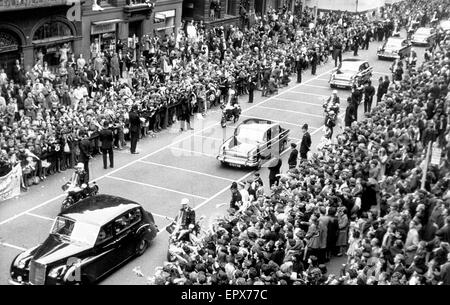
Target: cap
335 92
184 201
80 165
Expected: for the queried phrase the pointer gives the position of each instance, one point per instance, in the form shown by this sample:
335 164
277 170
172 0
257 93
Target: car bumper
17 282
237 162
341 83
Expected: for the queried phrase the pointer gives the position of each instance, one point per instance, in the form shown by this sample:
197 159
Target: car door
104 255
125 229
406 48
265 145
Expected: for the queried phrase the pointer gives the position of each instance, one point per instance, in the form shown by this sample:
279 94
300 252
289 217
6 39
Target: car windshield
423 31
350 66
75 231
393 44
250 133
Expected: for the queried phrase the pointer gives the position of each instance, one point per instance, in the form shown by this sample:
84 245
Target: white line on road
283 122
40 216
302 102
155 186
312 94
160 149
206 137
163 216
382 73
314 86
12 246
192 151
293 111
186 170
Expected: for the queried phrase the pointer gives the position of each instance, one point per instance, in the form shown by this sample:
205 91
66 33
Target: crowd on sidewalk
370 194
45 112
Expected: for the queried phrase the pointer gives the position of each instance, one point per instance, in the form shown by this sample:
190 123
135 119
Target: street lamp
357 1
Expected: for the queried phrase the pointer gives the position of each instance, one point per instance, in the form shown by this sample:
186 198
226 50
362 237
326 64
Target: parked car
253 141
423 36
350 71
394 48
87 241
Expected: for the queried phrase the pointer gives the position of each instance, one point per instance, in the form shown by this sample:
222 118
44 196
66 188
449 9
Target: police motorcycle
76 193
230 110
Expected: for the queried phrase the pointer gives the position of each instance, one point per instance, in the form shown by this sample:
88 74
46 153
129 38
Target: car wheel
141 247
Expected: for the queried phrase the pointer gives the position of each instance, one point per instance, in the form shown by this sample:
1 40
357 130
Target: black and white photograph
225 143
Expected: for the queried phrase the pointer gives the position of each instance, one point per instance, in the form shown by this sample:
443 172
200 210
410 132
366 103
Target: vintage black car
87 241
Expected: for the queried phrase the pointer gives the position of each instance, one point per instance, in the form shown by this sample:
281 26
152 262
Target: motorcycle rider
185 218
78 179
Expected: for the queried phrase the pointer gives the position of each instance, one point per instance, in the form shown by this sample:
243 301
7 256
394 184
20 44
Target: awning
108 21
165 14
53 40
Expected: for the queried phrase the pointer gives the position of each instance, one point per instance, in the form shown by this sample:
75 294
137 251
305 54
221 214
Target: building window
52 29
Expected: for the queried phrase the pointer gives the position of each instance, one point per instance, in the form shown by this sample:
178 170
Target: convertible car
423 36
394 48
253 141
87 241
350 71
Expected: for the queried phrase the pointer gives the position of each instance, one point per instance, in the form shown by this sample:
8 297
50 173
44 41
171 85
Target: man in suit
380 88
369 92
274 171
106 136
305 145
135 128
350 116
292 161
299 66
85 152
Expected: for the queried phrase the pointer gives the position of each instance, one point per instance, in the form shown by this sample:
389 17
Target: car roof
99 209
258 123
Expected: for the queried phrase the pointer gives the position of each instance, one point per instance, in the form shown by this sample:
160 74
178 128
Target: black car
87 241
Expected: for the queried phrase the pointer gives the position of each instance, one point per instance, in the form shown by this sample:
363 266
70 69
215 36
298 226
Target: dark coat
107 138
350 116
135 122
275 170
85 150
293 157
305 145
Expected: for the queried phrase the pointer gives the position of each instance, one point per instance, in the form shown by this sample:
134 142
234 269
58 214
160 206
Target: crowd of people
371 195
47 111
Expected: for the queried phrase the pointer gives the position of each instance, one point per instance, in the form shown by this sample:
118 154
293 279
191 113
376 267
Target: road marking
278 121
382 73
160 149
206 137
312 94
12 246
155 186
314 86
186 170
163 216
40 216
193 152
302 102
285 110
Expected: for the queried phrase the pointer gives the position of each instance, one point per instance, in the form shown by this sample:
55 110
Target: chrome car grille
37 273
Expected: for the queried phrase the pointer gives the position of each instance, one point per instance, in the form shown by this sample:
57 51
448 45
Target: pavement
176 165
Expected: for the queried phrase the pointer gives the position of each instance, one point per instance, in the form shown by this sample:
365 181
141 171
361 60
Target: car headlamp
57 271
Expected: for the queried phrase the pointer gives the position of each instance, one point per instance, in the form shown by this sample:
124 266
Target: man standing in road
236 197
292 161
135 128
252 80
314 58
299 66
350 115
356 98
107 138
337 52
380 91
369 92
305 145
274 170
85 152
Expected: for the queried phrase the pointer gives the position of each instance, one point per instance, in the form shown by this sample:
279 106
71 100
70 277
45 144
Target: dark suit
305 145
292 161
274 171
107 138
135 128
85 154
350 115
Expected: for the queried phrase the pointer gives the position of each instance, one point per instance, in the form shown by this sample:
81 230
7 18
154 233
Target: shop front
104 35
10 50
164 23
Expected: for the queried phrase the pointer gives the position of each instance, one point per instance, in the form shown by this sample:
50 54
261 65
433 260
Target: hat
184 201
80 165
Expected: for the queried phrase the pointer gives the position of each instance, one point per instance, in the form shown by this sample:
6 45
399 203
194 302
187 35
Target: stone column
28 57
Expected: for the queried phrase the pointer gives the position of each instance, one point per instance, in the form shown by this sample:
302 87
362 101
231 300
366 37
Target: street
177 165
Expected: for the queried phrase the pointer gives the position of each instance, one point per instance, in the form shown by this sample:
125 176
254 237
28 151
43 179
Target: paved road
172 166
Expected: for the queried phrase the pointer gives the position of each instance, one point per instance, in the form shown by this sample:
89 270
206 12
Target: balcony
6 6
139 7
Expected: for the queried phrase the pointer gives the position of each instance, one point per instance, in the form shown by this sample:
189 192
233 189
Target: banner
10 184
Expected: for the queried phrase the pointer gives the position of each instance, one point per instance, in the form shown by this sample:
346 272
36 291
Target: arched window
52 29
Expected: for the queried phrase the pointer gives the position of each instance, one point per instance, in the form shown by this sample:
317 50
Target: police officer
185 217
